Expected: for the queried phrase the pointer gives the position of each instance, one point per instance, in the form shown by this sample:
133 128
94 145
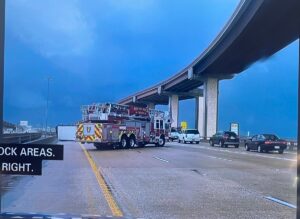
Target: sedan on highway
224 139
266 143
189 135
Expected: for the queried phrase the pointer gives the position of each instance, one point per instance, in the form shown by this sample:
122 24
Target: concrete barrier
21 137
45 140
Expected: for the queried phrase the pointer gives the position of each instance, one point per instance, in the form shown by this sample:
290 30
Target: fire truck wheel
131 141
124 141
161 141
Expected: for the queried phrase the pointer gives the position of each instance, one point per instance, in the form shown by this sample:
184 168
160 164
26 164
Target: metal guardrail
45 140
20 138
292 145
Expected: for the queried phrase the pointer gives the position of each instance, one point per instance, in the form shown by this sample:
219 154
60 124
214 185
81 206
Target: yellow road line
105 190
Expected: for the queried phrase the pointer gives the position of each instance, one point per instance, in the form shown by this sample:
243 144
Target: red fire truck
123 126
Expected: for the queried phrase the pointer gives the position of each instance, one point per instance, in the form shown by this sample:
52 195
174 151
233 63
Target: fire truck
123 126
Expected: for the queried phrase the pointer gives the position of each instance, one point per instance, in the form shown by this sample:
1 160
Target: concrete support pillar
151 105
173 110
211 93
199 117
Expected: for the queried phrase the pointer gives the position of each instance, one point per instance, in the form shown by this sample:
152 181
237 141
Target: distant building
23 123
8 127
25 127
22 127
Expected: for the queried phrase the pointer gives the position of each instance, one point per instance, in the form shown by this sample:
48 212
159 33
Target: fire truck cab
122 126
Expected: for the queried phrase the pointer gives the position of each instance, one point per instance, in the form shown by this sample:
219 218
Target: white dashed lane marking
219 158
158 158
280 202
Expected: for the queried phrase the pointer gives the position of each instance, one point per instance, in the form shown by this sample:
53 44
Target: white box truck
66 133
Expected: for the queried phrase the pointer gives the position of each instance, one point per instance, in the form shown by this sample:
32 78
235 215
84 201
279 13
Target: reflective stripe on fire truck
89 138
79 131
98 131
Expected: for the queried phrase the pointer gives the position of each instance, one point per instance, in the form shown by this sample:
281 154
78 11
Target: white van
189 135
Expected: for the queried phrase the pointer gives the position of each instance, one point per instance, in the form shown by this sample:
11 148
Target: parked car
224 139
266 143
173 135
189 135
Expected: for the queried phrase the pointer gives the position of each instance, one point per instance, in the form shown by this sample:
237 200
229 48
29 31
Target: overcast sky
103 50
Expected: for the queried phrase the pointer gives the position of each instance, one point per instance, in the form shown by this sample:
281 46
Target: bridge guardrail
20 138
292 145
51 139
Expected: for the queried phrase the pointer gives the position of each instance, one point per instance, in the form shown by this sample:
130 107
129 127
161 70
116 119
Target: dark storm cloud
104 50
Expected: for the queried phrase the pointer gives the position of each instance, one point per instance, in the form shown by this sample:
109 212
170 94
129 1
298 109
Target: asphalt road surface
175 181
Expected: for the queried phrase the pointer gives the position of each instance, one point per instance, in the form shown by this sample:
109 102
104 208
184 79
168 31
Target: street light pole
49 78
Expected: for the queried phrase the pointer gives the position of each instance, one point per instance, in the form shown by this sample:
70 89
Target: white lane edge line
280 202
158 158
293 153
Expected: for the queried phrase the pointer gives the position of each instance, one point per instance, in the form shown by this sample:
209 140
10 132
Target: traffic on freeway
175 181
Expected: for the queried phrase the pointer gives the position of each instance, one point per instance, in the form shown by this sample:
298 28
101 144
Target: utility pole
2 35
49 78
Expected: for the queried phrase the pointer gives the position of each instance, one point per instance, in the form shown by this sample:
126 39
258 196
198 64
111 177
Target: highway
175 181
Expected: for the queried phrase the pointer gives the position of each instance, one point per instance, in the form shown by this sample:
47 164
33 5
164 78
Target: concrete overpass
256 30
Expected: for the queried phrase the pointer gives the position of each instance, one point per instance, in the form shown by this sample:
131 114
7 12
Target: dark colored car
224 139
266 143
